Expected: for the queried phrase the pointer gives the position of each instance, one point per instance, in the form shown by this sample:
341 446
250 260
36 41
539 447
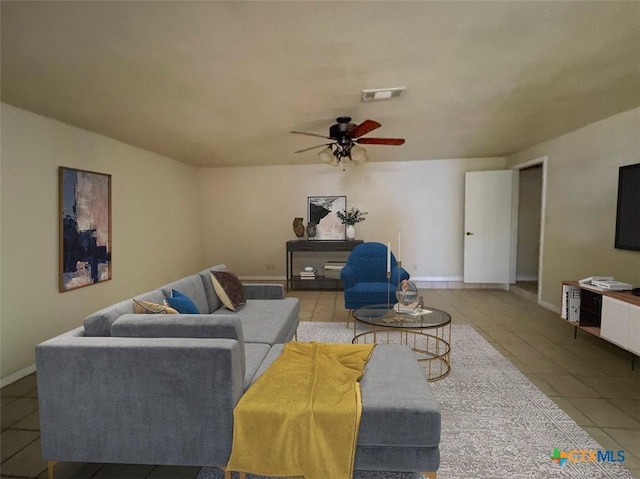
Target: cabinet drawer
614 324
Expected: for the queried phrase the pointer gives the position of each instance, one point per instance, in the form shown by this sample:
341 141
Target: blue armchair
365 277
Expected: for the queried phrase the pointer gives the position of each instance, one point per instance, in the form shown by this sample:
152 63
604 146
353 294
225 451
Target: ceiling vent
382 93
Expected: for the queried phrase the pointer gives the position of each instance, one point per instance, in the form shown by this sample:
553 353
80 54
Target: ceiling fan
346 137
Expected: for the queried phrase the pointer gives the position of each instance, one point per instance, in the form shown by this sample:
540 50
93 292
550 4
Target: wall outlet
271 267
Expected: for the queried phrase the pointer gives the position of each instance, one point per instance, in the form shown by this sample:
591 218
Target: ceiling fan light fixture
326 156
382 93
358 155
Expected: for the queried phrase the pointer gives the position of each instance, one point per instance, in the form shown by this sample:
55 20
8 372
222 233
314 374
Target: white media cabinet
610 315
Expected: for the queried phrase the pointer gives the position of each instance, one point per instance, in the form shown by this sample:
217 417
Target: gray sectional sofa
160 389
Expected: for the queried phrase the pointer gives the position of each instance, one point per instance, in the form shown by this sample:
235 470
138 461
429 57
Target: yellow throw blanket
301 417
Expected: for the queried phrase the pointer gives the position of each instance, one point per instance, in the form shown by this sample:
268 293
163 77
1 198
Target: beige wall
156 228
582 182
248 218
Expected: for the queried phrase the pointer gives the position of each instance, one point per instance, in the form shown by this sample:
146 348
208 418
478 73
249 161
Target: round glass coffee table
428 334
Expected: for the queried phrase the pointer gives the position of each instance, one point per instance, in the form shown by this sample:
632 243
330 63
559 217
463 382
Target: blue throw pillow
182 303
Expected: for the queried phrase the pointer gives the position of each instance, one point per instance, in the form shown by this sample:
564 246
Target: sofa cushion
229 289
205 277
147 307
190 286
99 323
268 321
182 303
370 293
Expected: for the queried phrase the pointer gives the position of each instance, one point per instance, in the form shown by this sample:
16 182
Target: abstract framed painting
322 210
85 228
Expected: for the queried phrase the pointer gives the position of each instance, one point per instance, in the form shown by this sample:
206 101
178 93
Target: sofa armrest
263 291
348 277
138 400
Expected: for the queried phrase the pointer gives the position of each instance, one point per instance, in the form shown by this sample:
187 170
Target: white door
490 226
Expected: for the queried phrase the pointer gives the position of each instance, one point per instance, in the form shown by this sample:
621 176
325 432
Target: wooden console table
315 246
610 315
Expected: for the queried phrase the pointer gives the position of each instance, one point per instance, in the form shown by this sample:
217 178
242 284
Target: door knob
469 233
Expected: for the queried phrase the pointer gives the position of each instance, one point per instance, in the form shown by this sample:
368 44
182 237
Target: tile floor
588 378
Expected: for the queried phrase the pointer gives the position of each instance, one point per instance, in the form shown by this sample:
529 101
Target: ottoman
400 423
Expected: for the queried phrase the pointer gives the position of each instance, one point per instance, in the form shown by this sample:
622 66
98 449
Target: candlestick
389 257
399 246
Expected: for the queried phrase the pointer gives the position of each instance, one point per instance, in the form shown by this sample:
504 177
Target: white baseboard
550 306
436 278
527 278
444 283
12 378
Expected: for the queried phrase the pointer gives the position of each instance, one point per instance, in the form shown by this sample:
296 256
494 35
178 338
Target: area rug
495 423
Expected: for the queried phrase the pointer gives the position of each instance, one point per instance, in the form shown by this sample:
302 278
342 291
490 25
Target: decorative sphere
406 293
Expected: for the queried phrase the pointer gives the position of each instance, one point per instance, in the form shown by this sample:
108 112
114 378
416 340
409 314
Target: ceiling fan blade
313 148
311 134
364 128
380 141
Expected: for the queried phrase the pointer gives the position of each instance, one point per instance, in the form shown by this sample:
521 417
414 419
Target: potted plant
350 218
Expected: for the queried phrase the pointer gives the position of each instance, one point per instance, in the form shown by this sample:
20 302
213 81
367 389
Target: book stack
411 309
306 274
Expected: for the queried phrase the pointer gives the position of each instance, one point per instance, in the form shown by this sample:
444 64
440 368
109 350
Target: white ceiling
222 83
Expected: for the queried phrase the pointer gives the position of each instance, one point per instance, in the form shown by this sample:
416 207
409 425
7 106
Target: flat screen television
628 214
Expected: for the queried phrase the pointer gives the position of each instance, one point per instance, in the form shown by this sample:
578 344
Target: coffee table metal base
432 346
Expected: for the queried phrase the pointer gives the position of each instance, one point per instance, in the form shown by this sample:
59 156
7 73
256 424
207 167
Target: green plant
351 217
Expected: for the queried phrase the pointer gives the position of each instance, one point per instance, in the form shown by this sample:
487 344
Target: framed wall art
85 228
322 210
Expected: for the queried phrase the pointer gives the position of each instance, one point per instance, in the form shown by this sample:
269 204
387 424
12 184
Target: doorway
530 224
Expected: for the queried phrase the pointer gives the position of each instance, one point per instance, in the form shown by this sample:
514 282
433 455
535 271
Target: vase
311 230
351 232
406 293
298 227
